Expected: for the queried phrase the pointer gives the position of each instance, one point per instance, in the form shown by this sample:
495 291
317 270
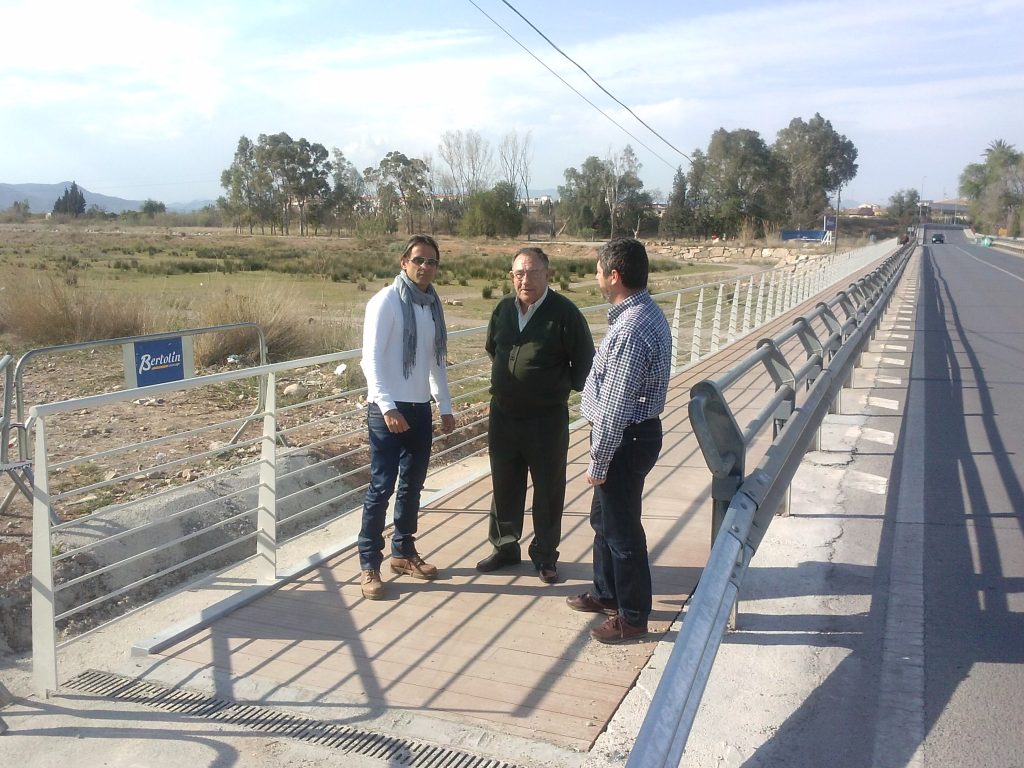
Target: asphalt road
882 624
972 387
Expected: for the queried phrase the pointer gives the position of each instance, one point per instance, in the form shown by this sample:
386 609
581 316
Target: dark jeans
622 571
394 456
537 445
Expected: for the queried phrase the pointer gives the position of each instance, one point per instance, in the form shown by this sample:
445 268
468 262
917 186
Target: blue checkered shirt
629 379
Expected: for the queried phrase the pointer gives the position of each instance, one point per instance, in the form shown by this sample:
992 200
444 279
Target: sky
140 99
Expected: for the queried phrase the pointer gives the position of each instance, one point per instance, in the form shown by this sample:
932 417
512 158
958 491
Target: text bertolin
157 362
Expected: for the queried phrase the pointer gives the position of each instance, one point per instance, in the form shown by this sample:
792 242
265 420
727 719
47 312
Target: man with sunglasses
541 349
405 346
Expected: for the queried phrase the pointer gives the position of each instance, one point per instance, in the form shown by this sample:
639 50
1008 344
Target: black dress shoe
547 573
497 559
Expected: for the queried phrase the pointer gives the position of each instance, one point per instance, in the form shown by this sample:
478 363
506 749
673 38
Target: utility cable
570 86
609 94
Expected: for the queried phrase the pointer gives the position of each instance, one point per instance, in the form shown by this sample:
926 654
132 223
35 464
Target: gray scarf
410 294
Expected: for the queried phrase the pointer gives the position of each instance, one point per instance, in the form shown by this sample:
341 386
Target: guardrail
146 511
744 504
1008 244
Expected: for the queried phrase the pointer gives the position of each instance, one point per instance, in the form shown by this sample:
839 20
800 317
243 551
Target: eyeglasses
419 261
534 274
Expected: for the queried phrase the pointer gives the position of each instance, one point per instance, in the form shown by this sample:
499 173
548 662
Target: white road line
992 266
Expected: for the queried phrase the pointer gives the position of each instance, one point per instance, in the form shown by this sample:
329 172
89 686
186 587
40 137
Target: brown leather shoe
414 566
590 604
372 586
615 630
547 573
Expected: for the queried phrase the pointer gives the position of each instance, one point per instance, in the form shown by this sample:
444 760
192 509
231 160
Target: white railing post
734 312
769 307
698 321
759 316
748 306
716 323
44 630
675 332
266 513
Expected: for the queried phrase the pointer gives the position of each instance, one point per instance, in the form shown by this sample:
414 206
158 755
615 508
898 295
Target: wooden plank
501 650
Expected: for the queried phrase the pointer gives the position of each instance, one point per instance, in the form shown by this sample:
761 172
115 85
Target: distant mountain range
41 197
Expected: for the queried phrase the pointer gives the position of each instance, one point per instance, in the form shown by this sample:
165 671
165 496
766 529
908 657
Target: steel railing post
716 323
676 316
734 312
266 515
748 306
44 630
698 321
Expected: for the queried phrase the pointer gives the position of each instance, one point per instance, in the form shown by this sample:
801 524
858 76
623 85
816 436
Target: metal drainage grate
398 752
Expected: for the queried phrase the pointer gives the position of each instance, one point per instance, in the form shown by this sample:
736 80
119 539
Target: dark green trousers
534 446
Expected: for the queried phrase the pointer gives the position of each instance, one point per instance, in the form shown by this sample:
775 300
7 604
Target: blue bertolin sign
157 361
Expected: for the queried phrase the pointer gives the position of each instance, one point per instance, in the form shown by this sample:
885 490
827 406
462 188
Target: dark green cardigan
536 368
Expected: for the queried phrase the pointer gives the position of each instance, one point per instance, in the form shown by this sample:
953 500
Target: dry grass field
61 283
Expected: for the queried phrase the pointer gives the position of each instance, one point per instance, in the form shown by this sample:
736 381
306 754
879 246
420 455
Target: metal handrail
26 358
22 426
750 503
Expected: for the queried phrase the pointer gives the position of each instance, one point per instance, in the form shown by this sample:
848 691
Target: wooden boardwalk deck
497 650
500 651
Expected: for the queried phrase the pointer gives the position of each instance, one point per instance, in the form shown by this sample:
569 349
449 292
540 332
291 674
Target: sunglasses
419 261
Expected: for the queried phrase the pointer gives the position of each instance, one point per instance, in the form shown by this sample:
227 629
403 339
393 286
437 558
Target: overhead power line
606 91
572 88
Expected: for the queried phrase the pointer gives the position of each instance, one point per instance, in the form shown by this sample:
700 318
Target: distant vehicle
938 237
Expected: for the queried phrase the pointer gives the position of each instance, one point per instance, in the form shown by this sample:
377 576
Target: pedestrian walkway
498 652
495 664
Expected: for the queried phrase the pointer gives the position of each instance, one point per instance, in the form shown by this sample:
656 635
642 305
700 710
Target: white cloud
910 83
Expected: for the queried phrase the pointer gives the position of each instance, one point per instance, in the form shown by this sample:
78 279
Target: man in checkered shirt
622 399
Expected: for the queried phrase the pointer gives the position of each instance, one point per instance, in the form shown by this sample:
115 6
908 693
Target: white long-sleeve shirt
382 356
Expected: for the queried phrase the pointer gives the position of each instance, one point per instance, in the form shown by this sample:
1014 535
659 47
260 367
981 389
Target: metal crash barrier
744 504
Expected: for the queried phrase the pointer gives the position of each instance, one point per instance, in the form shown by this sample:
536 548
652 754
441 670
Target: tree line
738 186
994 189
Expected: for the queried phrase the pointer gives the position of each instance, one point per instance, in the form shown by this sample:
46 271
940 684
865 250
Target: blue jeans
394 456
622 571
